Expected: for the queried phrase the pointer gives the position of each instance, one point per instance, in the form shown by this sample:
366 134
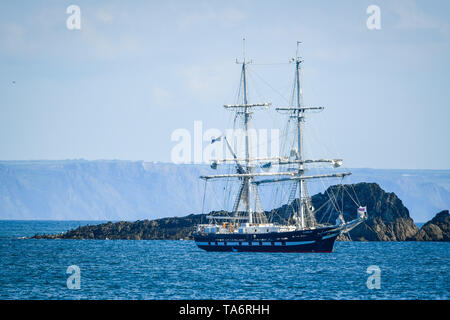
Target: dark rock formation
437 229
388 219
167 228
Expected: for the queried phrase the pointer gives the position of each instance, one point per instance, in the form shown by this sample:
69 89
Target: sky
136 71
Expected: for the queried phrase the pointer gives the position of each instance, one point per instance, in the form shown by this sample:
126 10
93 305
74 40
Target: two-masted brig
248 229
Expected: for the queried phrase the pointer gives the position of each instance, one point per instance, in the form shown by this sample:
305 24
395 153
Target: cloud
161 97
412 17
109 42
232 16
42 34
12 37
205 81
225 18
104 16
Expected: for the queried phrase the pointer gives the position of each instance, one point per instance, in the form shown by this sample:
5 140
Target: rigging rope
269 85
355 202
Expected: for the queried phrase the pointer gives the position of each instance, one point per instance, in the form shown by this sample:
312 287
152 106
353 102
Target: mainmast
247 180
299 113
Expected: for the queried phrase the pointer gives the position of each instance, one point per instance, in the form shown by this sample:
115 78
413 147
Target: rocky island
388 220
437 229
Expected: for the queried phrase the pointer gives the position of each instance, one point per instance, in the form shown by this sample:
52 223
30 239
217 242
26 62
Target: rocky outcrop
388 220
437 229
175 228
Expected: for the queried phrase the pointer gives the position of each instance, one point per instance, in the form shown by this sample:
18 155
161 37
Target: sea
157 269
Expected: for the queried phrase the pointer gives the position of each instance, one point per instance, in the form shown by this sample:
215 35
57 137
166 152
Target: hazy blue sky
137 70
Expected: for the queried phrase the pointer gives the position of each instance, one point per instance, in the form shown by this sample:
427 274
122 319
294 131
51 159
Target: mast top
296 53
297 58
244 60
243 48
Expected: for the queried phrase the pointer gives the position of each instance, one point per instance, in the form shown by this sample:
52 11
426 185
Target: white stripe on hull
329 236
233 243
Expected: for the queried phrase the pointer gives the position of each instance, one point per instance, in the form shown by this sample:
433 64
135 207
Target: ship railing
226 218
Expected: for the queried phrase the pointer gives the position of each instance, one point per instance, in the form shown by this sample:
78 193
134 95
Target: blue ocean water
119 269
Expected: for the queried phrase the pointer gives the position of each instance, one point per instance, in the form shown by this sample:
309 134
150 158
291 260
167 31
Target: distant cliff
437 229
389 219
98 190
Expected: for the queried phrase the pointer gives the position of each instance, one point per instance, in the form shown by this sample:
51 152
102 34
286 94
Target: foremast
247 189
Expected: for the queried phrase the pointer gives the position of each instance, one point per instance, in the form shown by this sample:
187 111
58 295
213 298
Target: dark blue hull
316 240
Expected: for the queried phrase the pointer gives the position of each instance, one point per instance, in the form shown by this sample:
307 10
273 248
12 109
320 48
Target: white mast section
249 175
247 105
265 174
299 108
334 162
318 176
281 160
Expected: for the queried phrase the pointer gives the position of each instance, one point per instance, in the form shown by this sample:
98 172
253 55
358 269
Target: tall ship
247 227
